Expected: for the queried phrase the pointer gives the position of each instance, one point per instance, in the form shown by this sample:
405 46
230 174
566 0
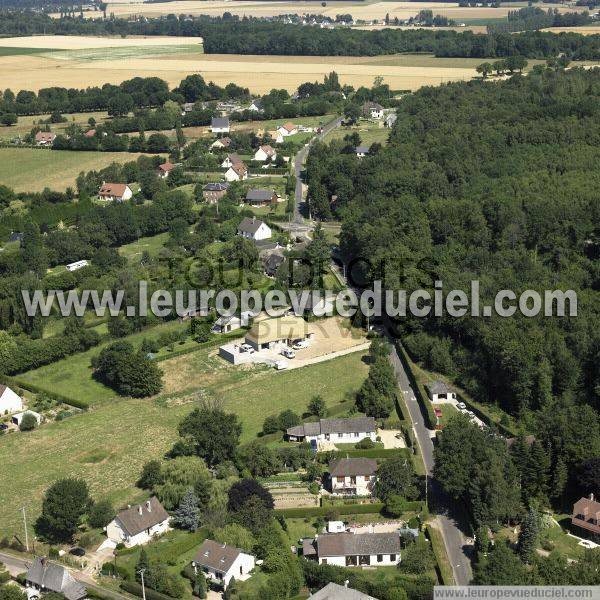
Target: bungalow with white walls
10 402
354 549
352 476
222 563
138 524
343 431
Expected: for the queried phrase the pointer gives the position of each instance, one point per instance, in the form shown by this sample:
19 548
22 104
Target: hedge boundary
444 569
39 389
320 511
372 453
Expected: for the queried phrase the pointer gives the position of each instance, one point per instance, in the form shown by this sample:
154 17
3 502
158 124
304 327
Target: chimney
346 582
140 510
592 498
148 506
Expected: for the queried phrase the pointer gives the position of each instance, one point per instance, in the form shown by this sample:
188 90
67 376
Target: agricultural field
108 445
27 122
32 170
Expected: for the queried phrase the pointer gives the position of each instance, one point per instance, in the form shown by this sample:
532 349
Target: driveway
390 439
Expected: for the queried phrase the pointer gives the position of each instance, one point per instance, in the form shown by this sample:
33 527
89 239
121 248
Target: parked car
461 405
471 413
288 353
281 364
301 344
246 348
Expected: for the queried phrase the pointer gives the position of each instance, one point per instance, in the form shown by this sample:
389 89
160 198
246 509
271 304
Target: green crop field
31 170
121 52
7 51
108 445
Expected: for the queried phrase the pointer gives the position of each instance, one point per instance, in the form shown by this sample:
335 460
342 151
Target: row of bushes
444 568
321 511
372 453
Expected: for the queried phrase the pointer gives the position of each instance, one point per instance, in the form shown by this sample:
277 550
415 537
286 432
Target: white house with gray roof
352 476
138 524
220 125
252 228
354 549
10 402
333 591
343 431
44 576
221 563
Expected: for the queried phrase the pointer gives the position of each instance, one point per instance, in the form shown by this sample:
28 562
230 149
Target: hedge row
506 431
444 568
214 341
373 453
321 511
136 589
38 389
420 393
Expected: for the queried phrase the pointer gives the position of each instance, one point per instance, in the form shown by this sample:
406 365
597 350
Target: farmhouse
221 143
10 402
163 170
254 229
352 476
439 391
586 514
75 266
333 591
138 524
372 110
362 151
17 418
213 192
222 563
270 332
335 430
44 576
261 197
264 153
287 129
115 192
354 549
44 138
220 125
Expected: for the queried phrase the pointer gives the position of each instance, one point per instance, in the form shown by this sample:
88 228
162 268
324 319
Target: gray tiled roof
350 467
250 225
215 187
136 519
351 544
216 555
259 195
333 591
362 149
55 578
219 122
352 425
438 387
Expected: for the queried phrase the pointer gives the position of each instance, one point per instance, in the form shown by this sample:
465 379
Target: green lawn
151 244
448 411
108 445
31 170
369 131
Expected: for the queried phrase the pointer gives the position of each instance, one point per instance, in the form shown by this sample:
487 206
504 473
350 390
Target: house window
380 558
392 557
351 561
353 480
324 561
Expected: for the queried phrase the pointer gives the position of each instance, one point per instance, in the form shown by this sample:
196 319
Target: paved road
299 164
454 539
17 564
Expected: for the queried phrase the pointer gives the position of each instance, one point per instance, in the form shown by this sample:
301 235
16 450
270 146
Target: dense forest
495 182
232 35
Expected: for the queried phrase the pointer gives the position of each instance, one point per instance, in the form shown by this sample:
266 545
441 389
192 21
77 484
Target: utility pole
25 526
141 572
426 492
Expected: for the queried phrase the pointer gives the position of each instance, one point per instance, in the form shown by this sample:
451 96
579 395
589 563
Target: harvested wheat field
363 10
81 42
260 74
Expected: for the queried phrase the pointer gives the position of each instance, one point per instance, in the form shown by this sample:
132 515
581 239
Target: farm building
354 549
115 192
222 563
138 524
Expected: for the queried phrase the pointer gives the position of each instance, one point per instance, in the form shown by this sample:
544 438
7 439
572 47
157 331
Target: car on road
461 405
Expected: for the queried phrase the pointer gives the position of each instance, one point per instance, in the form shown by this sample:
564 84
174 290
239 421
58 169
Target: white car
288 353
461 405
246 348
281 364
471 413
300 344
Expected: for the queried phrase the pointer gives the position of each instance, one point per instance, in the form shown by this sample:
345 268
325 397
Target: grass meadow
108 444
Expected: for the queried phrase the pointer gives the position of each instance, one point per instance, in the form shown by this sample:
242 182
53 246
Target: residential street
16 565
454 537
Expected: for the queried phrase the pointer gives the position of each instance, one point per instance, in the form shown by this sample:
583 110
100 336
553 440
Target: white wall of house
261 155
231 175
240 569
443 397
10 402
362 484
262 233
342 438
220 129
377 560
116 533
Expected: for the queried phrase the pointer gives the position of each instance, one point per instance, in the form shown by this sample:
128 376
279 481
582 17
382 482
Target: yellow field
362 10
80 42
260 73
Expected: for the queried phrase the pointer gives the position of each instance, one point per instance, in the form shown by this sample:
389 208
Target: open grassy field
26 123
30 170
108 445
370 132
